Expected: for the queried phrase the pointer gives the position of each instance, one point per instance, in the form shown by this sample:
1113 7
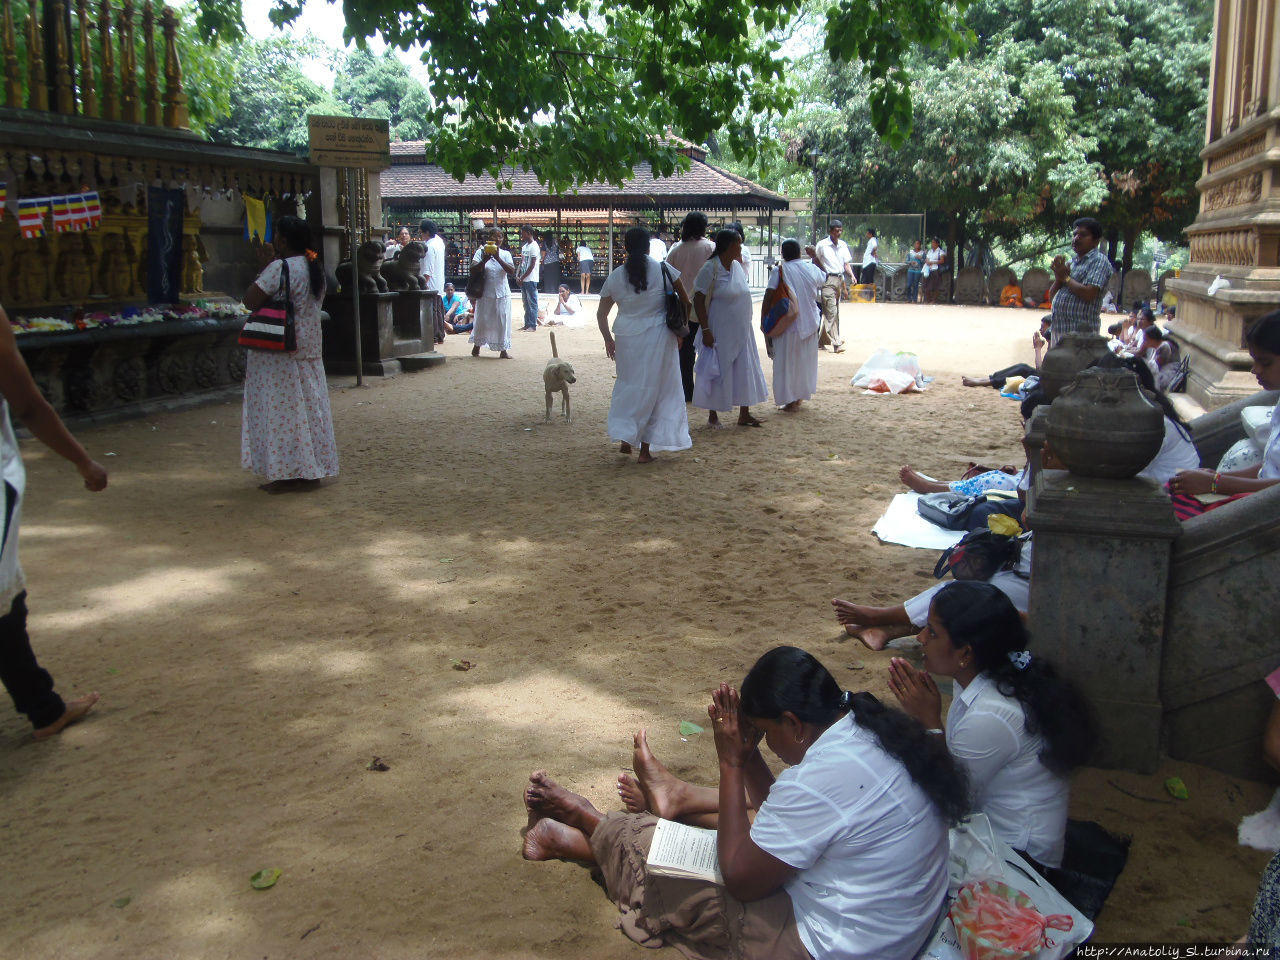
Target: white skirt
648 396
795 368
492 323
741 382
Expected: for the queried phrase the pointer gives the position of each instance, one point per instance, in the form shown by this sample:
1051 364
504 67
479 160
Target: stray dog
556 377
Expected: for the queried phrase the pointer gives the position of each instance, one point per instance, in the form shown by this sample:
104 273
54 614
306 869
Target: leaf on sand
122 902
463 665
264 879
446 559
688 729
377 763
1177 789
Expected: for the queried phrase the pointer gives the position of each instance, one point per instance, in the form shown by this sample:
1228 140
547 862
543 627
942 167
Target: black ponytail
297 236
636 242
789 680
983 618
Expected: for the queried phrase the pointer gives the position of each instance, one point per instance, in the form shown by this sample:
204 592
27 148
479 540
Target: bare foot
546 798
632 794
625 448
504 355
792 407
475 351
550 840
919 484
74 711
645 457
873 638
663 788
975 381
748 421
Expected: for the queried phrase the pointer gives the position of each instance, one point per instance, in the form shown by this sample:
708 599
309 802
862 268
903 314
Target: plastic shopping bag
995 922
891 381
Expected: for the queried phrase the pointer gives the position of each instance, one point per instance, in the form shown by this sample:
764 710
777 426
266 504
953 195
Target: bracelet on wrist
1213 487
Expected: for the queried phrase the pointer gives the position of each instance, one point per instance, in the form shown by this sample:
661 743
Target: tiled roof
420 184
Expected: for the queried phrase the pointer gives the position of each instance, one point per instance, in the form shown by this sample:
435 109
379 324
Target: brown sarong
699 919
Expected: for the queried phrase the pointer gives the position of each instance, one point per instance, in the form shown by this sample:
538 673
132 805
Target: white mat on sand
901 524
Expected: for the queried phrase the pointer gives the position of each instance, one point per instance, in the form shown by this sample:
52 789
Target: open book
682 851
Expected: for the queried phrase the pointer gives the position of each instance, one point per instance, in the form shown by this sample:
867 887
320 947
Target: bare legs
659 791
919 484
976 381
645 455
75 709
560 822
874 626
745 419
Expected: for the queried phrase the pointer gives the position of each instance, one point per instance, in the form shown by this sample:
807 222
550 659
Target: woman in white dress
795 346
722 302
1016 727
647 409
493 308
286 432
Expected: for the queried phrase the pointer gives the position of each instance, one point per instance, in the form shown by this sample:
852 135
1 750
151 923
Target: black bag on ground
1009 506
1092 860
954 511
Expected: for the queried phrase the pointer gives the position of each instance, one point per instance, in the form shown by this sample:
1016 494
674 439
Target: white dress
730 315
493 310
648 396
286 429
795 353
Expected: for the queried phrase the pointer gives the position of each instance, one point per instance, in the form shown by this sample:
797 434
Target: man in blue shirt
1077 289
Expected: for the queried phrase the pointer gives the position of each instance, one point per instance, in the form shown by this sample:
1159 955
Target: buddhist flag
79 213
4 197
93 208
31 218
61 214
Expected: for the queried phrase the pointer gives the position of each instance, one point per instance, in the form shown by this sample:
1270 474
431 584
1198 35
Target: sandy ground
255 653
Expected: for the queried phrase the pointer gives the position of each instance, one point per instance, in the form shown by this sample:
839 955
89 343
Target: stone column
1099 576
1237 232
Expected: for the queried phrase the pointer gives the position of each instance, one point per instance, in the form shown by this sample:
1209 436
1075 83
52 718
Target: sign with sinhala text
349 142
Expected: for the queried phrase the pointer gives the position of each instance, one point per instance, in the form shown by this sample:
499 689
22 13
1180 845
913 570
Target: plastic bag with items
889 372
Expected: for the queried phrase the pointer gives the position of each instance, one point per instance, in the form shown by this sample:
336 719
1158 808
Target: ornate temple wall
1237 232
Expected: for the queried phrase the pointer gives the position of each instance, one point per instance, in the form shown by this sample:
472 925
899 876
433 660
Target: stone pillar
1237 232
1099 577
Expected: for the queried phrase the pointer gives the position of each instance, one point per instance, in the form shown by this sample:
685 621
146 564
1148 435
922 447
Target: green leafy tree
580 90
272 95
383 87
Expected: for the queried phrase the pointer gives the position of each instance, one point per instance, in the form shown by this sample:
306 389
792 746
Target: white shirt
1177 452
495 277
584 253
15 475
529 253
1270 469
869 251
933 258
570 307
1025 801
833 256
657 249
1014 584
637 312
870 846
805 281
433 264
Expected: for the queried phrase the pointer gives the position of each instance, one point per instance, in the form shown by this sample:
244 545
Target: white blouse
1270 469
637 312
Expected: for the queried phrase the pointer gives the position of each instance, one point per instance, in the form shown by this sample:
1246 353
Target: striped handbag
271 326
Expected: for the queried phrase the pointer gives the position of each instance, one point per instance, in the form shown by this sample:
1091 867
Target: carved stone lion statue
368 265
405 271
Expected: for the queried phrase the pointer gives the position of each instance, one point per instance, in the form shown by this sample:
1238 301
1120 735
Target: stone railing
91 66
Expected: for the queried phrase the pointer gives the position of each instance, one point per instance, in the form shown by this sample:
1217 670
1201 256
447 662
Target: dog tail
554 354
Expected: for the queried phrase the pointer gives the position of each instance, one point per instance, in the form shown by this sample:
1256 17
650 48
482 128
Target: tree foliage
583 90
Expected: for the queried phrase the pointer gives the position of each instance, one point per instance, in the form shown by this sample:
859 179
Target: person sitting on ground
1109 302
457 311
1139 320
567 310
1016 727
1039 340
1263 340
1011 295
846 858
1116 343
1160 356
1002 561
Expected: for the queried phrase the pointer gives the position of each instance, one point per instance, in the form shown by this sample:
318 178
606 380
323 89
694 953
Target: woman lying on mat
846 858
1016 727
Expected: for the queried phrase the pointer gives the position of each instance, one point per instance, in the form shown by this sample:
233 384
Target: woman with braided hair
1016 727
846 857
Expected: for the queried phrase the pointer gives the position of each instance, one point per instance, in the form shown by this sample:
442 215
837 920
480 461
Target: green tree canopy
581 90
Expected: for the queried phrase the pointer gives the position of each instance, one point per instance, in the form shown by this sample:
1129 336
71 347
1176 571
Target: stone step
421 361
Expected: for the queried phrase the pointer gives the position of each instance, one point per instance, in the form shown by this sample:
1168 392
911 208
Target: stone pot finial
1073 353
1103 424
